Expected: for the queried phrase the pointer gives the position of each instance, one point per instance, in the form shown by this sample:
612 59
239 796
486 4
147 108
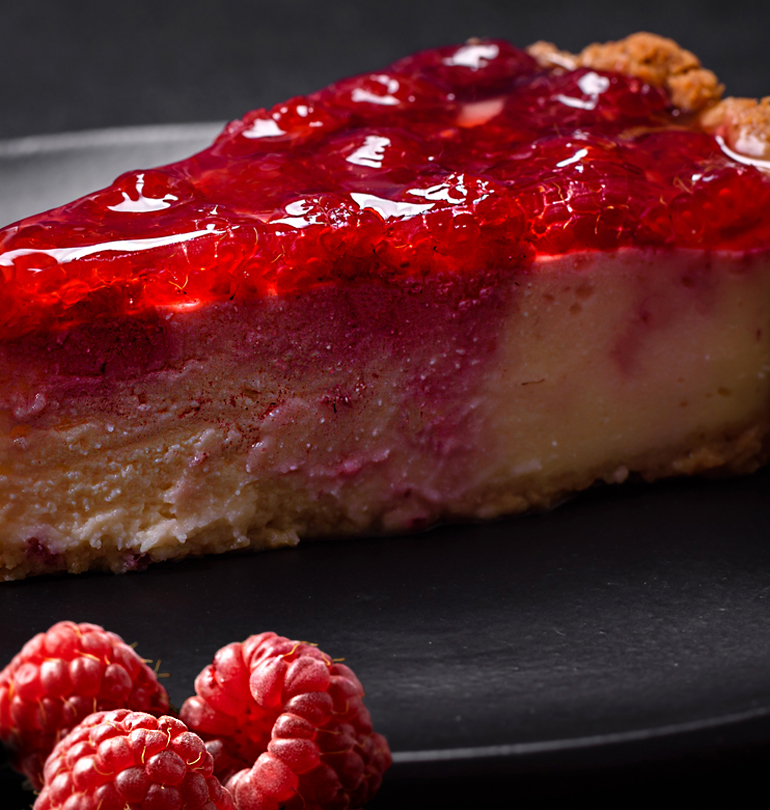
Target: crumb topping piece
744 123
652 58
547 55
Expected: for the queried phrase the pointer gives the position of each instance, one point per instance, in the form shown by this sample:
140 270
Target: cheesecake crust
285 516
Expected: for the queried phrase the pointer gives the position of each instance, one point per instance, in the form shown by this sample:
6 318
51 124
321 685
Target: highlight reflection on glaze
456 160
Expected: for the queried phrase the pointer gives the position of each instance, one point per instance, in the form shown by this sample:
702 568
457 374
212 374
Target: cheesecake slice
458 288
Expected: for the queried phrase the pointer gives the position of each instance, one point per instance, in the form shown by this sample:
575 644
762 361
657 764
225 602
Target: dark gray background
76 64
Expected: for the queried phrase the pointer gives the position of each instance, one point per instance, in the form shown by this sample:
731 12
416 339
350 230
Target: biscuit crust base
293 516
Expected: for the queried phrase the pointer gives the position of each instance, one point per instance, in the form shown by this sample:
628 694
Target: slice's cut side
381 409
457 288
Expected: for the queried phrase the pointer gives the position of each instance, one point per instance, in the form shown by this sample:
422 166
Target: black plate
629 625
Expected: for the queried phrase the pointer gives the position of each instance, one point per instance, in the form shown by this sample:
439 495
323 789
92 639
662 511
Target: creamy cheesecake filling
246 424
613 359
375 407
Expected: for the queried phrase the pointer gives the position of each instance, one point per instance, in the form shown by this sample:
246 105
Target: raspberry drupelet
124 760
287 727
58 679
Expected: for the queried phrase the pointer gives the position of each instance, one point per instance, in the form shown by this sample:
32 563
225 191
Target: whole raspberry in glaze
287 727
462 220
374 160
124 760
296 122
585 100
62 676
387 98
480 68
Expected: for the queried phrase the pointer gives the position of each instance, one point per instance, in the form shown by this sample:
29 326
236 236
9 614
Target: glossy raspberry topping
453 160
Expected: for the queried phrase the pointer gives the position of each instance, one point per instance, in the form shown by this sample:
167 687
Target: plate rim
734 724
32 145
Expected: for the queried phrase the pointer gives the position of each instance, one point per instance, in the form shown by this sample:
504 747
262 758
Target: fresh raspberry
287 727
62 676
124 760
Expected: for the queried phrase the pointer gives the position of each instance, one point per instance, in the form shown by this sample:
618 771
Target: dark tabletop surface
82 64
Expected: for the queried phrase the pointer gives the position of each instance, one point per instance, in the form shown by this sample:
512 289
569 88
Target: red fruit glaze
287 727
454 160
124 760
62 676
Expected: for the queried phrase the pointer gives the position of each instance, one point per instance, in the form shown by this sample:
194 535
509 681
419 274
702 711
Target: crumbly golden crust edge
737 451
743 123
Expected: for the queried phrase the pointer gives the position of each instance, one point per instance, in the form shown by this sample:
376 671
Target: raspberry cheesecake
460 287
